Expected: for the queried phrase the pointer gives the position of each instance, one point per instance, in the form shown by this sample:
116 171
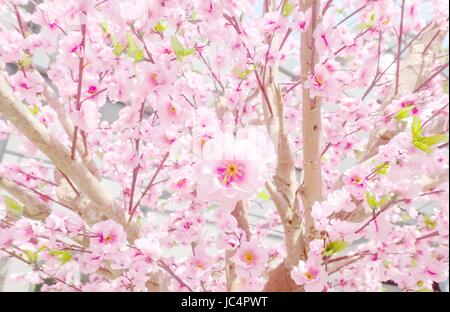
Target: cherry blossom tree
329 118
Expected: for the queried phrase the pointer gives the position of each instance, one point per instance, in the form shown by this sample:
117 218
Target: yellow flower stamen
249 257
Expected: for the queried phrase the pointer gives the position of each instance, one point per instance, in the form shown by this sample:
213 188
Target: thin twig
79 87
399 47
164 266
150 184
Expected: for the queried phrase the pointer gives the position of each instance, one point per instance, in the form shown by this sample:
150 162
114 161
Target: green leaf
176 45
404 113
422 146
187 52
287 8
160 27
117 47
429 223
434 139
179 49
133 49
194 16
416 128
334 247
364 26
243 74
264 196
13 206
25 61
63 256
105 27
382 168
34 109
30 256
446 87
384 200
372 200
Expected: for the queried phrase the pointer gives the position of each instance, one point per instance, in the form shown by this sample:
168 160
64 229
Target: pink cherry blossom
107 234
251 257
322 83
230 170
311 276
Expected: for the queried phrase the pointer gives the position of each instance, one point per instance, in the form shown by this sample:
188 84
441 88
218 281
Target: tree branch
15 111
33 207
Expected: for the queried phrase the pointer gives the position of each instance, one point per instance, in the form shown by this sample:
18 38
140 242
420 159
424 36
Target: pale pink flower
26 88
355 182
23 231
88 117
322 83
312 276
10 49
301 20
199 264
149 247
170 111
6 237
108 234
251 257
231 170
274 22
157 78
324 39
210 9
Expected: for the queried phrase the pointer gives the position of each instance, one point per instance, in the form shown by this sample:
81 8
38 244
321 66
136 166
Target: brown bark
298 227
33 207
311 124
86 182
240 214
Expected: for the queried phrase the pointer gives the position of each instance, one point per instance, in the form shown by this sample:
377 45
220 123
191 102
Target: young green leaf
372 200
334 247
287 9
160 27
416 128
34 109
403 113
194 16
384 200
434 139
105 27
264 196
422 146
25 62
243 74
133 49
382 168
179 49
429 223
63 256
117 47
31 256
13 206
